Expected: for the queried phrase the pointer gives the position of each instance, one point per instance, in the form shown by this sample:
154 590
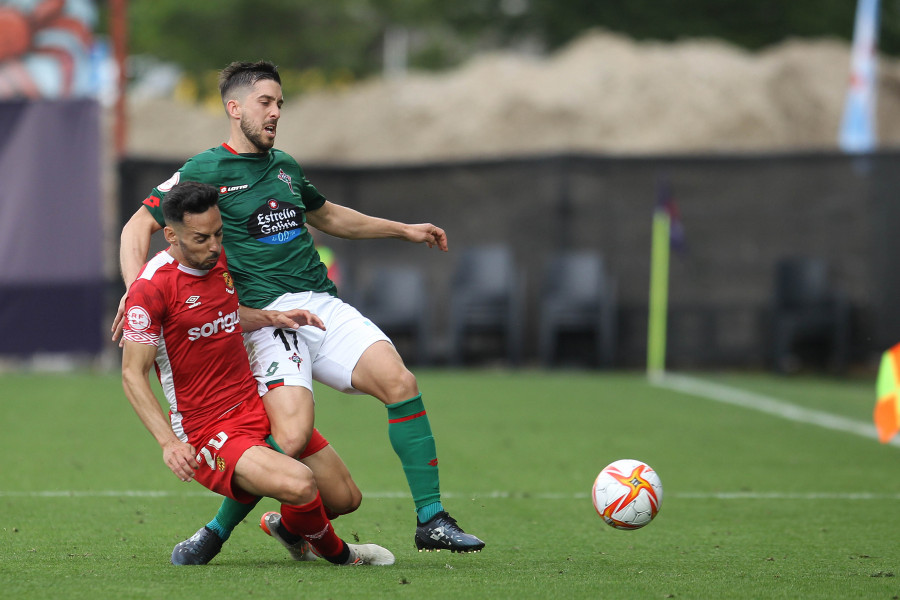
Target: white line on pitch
762 403
522 495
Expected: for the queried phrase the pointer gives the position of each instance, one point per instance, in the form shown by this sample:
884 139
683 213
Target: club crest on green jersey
287 179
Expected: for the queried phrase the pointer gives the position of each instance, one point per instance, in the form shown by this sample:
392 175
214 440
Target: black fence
741 214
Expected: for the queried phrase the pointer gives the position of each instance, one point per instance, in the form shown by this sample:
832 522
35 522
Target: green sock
411 438
271 441
232 512
427 512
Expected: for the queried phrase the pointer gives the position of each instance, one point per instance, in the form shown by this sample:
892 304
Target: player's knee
407 382
355 501
400 385
299 487
344 504
350 502
340 494
291 443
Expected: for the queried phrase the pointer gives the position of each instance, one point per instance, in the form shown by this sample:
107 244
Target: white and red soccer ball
627 494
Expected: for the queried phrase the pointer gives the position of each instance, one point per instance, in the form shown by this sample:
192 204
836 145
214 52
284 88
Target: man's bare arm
350 224
135 244
137 360
257 318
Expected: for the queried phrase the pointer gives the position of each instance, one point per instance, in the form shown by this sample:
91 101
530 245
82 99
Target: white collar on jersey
189 270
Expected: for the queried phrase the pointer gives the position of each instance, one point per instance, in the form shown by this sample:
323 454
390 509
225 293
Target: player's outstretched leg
198 549
357 554
412 440
299 551
369 554
380 372
203 547
442 533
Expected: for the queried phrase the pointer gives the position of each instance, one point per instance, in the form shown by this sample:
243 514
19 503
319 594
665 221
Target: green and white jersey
263 199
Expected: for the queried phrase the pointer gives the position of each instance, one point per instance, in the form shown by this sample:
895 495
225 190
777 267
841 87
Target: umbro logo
193 301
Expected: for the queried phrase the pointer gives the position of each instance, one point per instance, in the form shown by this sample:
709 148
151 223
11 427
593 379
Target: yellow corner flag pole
659 294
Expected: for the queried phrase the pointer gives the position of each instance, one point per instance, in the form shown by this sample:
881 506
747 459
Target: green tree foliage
753 24
297 34
750 24
346 36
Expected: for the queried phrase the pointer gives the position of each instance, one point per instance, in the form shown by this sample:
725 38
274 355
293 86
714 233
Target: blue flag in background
857 132
665 202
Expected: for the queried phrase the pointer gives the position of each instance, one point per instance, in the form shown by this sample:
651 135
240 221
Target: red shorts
226 441
223 442
316 442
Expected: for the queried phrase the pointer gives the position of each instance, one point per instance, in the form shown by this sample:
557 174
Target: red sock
310 521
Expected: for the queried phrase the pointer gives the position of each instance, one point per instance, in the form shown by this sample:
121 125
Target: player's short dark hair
245 74
188 197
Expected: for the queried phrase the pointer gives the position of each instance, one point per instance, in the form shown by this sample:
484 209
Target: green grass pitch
756 506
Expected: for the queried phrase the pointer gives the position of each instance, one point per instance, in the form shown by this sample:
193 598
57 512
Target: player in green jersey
266 202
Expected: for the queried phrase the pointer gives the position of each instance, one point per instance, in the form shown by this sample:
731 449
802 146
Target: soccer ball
627 494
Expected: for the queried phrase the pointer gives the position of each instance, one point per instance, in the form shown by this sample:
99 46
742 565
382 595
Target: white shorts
297 356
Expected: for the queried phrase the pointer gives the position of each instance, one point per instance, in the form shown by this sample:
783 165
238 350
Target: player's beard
256 137
192 260
209 263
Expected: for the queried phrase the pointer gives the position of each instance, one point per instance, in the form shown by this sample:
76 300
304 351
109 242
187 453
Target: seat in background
809 317
578 299
486 302
396 301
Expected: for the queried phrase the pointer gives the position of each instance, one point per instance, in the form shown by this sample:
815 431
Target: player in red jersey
183 315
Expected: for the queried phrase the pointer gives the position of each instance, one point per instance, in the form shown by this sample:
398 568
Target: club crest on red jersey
229 282
220 463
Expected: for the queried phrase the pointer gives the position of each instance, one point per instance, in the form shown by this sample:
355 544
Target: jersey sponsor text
275 223
224 323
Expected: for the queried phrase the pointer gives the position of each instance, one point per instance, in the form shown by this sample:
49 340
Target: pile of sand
602 93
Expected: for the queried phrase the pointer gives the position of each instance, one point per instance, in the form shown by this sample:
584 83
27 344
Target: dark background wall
52 282
741 214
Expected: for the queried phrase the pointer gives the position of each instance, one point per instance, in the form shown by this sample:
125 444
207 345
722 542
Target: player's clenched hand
431 235
180 458
119 321
296 318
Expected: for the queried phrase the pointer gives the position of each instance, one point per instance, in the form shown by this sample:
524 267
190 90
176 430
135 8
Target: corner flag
668 233
858 132
887 407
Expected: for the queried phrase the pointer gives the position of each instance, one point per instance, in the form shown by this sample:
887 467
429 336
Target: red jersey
191 316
